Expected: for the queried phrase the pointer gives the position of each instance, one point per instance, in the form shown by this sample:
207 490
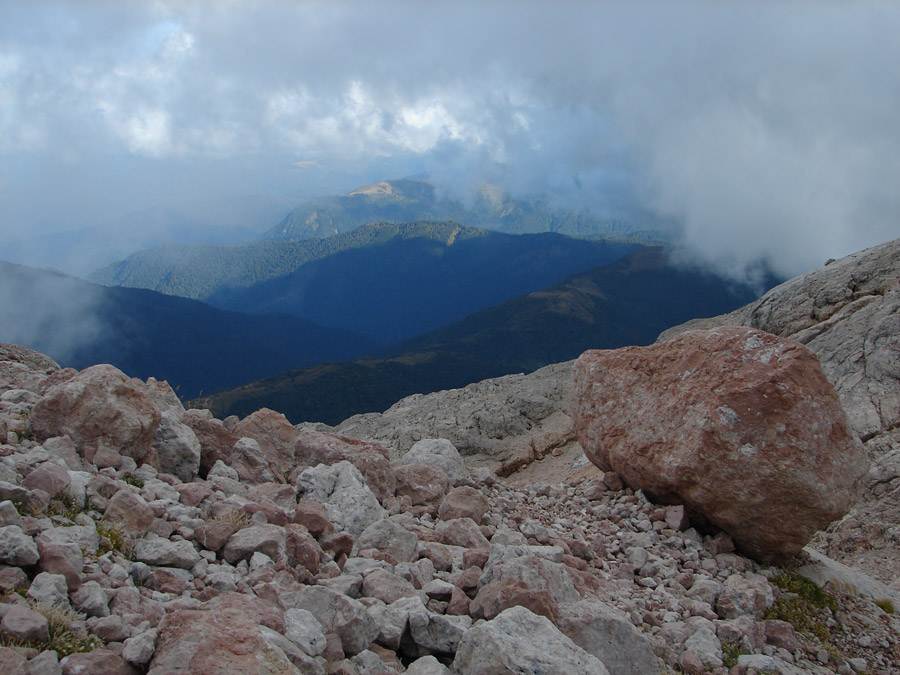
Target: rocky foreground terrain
459 532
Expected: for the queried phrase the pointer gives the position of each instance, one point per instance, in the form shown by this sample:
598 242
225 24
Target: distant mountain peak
397 189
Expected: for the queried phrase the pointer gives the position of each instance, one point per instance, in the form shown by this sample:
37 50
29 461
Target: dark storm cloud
766 130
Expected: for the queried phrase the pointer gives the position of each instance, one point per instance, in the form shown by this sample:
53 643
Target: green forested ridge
199 270
406 286
628 302
389 281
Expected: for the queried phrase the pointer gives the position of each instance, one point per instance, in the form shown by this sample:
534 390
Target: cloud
763 129
49 312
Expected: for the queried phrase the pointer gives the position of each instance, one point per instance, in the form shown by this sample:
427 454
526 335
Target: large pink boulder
227 640
275 435
98 405
738 425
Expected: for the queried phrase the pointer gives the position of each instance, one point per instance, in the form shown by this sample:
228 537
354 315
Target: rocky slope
848 314
136 536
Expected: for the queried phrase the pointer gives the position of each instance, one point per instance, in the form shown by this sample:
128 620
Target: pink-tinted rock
423 484
64 559
313 516
129 512
387 587
461 532
100 405
200 642
475 557
496 596
459 604
213 534
275 435
191 494
740 426
96 662
49 477
464 502
259 611
301 548
537 574
781 634
315 447
11 662
25 624
390 537
107 458
216 441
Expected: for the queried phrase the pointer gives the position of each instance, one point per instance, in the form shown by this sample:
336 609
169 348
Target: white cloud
766 129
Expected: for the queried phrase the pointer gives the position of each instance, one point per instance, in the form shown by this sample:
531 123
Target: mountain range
197 348
412 199
627 302
388 281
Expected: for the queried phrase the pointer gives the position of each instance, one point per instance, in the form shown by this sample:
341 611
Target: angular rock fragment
519 641
350 504
438 452
609 635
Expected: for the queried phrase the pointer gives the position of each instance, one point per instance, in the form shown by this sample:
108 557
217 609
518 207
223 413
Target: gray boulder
518 641
268 539
336 613
350 504
440 453
389 537
305 631
607 633
16 547
49 589
177 448
166 553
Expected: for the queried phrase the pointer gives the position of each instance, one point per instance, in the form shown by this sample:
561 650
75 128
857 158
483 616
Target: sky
761 130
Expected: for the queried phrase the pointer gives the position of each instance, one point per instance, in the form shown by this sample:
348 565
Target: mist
52 313
763 131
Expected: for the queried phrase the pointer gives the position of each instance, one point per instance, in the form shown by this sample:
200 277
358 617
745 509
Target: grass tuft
66 630
886 605
113 539
131 479
731 650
